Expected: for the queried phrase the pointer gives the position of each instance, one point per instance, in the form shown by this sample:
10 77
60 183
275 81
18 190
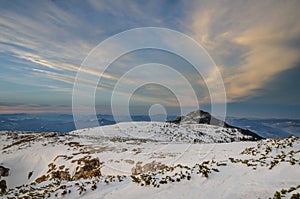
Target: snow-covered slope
119 164
167 132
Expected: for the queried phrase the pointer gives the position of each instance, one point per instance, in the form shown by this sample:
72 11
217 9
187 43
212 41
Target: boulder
4 171
3 186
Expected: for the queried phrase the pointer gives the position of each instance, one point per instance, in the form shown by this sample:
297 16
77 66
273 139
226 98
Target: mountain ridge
203 117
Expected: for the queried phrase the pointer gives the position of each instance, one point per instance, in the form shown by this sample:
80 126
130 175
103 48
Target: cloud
46 39
282 89
10 108
58 39
251 41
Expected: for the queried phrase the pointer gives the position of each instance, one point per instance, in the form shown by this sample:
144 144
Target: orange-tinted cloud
251 41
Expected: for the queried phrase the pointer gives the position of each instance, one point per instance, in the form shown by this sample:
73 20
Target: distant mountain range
60 122
269 128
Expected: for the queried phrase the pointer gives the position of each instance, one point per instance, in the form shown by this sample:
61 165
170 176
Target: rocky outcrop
152 166
61 175
199 117
90 168
3 186
4 171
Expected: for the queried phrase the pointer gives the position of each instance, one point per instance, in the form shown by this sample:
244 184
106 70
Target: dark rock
30 174
3 186
4 171
61 175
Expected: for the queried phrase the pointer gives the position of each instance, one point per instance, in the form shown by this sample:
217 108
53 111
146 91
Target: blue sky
255 44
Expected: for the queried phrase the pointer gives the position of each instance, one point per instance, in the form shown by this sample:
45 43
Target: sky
254 44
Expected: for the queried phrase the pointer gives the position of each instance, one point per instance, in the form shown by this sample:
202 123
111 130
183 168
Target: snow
121 147
159 131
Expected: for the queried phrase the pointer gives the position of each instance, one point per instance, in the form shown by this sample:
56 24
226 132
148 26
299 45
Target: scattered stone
129 161
43 178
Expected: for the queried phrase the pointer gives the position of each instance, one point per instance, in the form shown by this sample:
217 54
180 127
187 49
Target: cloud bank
42 45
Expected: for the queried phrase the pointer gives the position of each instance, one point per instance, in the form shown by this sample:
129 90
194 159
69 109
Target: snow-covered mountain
167 132
49 165
267 128
202 117
199 117
149 160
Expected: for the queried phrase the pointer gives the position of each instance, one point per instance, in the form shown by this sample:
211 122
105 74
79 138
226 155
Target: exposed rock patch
152 166
4 171
3 186
90 168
